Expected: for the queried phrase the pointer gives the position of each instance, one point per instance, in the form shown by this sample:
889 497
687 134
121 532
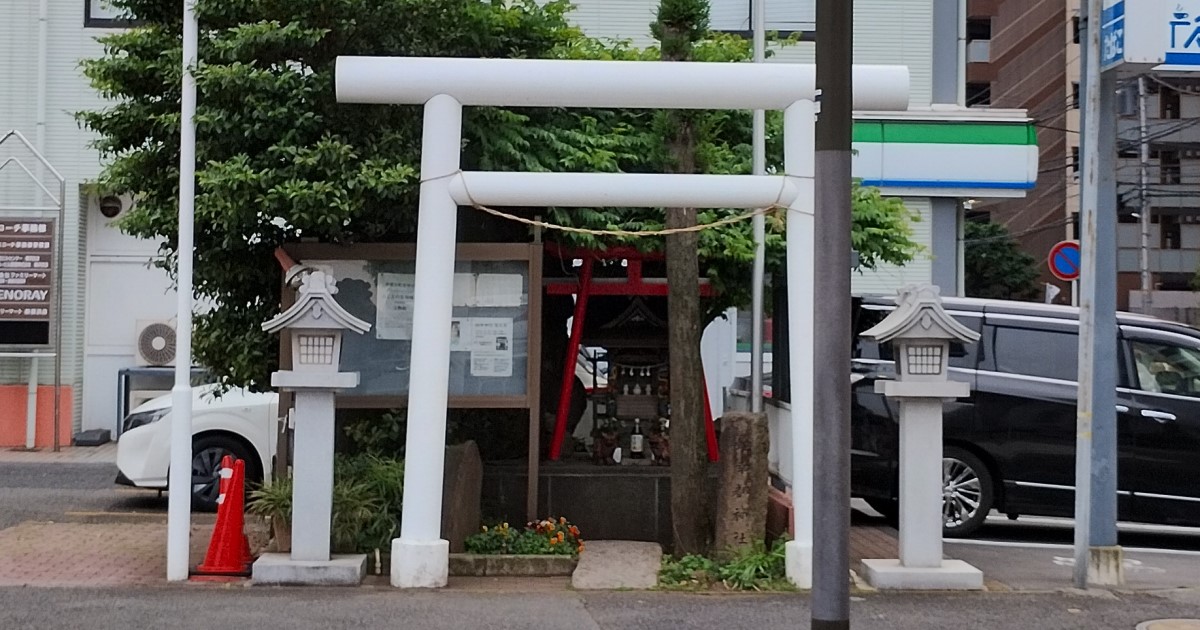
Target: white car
237 423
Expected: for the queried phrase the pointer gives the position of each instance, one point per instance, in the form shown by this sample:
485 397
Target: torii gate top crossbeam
618 84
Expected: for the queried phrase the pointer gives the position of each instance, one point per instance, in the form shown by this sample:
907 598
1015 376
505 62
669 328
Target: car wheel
967 492
207 453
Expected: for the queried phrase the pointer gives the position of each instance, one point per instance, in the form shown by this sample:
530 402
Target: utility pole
179 483
1144 219
759 223
1097 556
831 459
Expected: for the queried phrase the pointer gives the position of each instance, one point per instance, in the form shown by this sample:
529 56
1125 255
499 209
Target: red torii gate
632 285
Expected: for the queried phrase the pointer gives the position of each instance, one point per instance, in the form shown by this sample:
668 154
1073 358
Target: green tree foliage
278 159
995 265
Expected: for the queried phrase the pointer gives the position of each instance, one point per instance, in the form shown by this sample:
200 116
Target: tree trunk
690 514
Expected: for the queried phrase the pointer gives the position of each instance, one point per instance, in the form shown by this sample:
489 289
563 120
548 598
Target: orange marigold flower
562 519
553 541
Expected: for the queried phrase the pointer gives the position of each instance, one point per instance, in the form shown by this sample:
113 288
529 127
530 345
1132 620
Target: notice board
495 324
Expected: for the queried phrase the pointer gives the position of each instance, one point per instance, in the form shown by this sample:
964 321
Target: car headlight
140 419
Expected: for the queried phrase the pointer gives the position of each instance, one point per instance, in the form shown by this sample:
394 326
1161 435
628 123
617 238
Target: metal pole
1089 188
1105 562
59 235
759 224
1143 138
31 405
831 475
179 506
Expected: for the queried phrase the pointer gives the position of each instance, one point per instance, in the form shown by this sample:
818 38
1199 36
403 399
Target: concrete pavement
103 454
210 606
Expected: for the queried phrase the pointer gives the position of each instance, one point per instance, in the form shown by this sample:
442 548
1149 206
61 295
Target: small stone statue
660 445
604 446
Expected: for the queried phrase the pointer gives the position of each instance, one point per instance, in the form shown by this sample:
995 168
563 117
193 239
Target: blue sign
1185 39
1065 260
1112 35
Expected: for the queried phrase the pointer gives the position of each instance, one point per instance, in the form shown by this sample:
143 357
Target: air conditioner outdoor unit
155 343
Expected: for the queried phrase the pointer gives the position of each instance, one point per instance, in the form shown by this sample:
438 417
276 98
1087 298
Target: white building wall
887 278
66 147
885 31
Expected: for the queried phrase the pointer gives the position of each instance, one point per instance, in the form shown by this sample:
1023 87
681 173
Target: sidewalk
104 454
113 548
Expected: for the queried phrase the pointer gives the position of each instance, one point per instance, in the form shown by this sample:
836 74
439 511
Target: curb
125 518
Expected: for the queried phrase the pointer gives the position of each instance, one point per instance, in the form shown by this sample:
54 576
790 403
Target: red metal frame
632 285
568 379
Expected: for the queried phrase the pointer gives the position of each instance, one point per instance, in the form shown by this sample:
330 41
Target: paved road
1059 531
47 492
206 607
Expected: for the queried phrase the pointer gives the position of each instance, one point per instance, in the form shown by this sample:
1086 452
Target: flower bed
542 548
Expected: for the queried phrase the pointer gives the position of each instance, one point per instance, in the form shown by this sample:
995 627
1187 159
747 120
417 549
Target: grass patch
755 568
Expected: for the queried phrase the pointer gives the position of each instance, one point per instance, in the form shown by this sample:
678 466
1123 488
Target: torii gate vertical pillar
420 558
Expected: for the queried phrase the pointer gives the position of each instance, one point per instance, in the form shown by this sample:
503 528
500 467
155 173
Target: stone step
617 564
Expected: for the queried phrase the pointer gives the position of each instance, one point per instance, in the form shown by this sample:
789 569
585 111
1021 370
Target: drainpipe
39 134
962 53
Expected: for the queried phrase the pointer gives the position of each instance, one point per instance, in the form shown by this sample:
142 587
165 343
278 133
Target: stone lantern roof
316 308
919 315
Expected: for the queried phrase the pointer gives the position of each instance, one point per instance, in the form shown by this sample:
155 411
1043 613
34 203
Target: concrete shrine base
953 575
279 569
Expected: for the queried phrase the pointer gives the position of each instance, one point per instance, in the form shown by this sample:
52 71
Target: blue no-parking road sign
1064 260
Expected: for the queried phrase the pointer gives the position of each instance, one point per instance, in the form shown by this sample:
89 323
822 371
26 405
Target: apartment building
1026 53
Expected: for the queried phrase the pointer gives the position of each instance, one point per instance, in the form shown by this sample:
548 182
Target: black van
1010 445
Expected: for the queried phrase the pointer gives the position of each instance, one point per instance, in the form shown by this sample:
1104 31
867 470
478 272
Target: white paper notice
498 289
491 346
464 289
394 305
460 334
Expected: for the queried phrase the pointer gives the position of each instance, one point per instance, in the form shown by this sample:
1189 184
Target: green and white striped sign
936 156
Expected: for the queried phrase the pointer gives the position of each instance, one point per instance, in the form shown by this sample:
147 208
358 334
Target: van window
1167 369
1030 352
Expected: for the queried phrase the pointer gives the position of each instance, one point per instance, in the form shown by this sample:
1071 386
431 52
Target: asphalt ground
207 607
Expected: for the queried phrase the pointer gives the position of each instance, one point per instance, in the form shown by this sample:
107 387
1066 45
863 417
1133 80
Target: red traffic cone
229 550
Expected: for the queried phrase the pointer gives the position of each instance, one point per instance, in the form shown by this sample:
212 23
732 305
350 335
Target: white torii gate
420 558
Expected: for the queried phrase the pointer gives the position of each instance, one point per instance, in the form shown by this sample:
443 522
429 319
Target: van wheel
967 492
207 453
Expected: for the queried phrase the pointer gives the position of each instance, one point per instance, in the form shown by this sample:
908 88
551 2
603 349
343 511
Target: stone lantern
921 332
316 323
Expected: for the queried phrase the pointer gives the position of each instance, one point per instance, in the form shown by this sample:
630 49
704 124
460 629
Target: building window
1075 160
102 14
1169 229
979 94
1074 95
1075 29
979 28
1168 103
1169 171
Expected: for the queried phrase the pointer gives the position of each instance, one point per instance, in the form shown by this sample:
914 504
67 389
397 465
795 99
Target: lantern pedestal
310 561
921 565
